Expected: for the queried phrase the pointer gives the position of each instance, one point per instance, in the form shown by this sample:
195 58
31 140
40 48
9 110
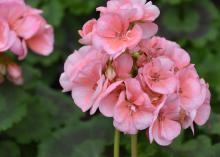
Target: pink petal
6 36
156 132
142 119
134 36
167 86
170 129
105 27
66 83
19 48
42 43
121 111
151 12
107 104
202 114
126 126
82 97
28 27
191 94
123 65
149 29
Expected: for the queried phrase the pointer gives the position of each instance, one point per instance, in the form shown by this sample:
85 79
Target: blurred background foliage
37 120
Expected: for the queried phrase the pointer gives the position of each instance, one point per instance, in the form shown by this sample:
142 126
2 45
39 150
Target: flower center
120 35
132 108
155 77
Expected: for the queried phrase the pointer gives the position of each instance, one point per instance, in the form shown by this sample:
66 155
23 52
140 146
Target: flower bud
15 74
110 73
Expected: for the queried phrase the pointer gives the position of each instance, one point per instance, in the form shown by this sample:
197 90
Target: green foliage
38 120
9 149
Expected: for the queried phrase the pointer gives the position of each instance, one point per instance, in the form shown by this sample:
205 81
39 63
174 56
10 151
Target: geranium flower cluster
142 81
22 27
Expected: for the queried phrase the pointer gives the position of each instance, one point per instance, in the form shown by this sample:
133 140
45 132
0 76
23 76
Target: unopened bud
110 73
15 74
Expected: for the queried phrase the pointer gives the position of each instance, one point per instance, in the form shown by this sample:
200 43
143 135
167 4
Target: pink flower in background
15 74
133 110
10 70
140 80
25 27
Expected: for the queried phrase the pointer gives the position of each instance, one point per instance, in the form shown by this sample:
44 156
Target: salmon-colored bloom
24 27
133 110
166 127
158 46
83 76
159 75
115 38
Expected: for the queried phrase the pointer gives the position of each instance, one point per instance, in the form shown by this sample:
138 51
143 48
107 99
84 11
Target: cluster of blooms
140 80
22 26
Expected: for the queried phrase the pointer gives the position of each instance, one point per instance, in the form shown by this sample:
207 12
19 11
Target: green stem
116 143
134 145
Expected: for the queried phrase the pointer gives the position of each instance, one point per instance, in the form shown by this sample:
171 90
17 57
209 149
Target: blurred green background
37 120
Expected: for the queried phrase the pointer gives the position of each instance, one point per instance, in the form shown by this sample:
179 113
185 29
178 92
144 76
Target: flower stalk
134 145
117 143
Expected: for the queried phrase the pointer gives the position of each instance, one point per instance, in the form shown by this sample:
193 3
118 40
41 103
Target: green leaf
12 105
65 141
9 149
89 148
48 110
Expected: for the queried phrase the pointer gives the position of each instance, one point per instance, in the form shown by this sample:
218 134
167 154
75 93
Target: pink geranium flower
159 75
166 127
26 28
83 76
158 46
133 110
78 61
115 38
